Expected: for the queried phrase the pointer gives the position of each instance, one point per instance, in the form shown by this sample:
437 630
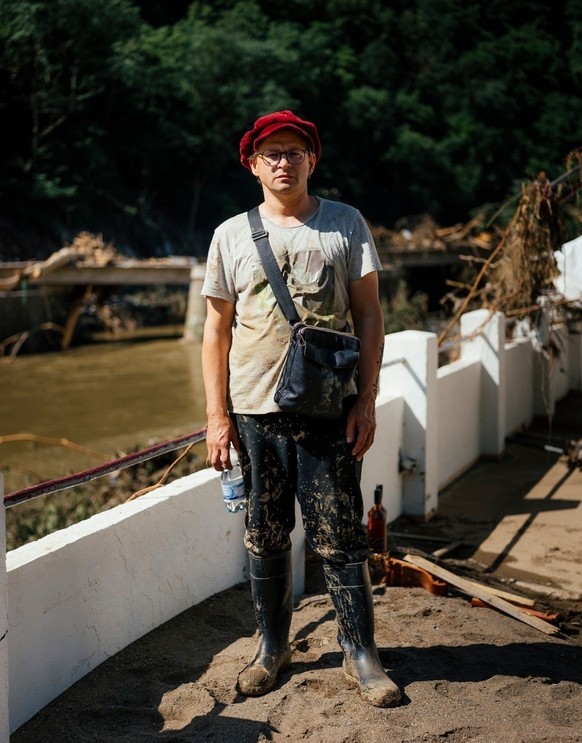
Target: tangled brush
518 276
526 267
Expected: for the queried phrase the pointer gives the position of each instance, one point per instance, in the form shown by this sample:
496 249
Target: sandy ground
467 673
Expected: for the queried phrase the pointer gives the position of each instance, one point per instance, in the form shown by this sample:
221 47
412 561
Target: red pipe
69 481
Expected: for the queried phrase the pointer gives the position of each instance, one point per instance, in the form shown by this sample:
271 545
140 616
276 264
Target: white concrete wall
552 372
78 596
409 369
485 334
381 461
458 419
4 724
561 364
520 377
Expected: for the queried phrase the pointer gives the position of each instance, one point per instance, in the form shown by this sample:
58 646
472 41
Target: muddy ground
467 674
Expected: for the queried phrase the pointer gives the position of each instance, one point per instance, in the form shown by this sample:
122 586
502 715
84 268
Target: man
330 264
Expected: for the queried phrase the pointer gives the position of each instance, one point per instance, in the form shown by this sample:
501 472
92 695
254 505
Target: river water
108 397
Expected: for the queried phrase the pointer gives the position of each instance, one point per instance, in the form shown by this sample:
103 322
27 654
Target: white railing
76 597
4 673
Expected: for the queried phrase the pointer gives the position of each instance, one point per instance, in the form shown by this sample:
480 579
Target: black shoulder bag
320 362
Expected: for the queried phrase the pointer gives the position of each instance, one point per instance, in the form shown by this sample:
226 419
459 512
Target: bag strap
271 267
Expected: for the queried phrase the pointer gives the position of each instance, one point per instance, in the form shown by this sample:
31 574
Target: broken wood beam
476 590
511 597
443 551
547 616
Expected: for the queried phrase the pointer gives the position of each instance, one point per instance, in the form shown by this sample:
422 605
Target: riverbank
36 320
107 400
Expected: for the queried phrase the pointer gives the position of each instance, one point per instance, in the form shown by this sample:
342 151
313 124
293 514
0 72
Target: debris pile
518 278
422 233
426 571
86 249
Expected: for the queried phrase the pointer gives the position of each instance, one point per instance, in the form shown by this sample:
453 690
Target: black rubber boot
350 589
272 589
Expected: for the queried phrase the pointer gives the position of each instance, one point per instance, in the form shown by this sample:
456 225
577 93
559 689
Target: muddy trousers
287 456
350 589
291 457
272 591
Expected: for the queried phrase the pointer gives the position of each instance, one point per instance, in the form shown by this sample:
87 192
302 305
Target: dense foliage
123 117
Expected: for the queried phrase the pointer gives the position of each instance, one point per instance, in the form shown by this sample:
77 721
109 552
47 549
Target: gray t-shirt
318 259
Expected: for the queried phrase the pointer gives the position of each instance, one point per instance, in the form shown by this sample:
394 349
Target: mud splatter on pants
287 456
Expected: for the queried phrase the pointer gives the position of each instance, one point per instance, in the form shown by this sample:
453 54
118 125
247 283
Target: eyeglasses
273 157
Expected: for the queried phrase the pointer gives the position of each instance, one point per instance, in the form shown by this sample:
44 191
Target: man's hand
361 425
220 436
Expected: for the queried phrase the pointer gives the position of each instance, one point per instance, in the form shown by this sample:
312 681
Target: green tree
124 116
56 65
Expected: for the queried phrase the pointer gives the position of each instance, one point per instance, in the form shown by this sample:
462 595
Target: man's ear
312 162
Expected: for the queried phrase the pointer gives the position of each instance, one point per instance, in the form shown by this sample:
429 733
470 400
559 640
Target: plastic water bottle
233 487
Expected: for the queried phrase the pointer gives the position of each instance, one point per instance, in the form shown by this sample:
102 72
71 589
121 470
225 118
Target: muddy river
107 397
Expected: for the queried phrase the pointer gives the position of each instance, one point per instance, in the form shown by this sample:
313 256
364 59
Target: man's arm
216 344
369 327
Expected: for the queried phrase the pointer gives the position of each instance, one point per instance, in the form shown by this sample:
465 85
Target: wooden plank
443 551
474 589
511 597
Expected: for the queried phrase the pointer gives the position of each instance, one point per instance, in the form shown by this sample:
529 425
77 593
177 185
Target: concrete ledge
79 595
4 717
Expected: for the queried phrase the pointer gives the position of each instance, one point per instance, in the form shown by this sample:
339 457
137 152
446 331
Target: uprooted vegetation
517 278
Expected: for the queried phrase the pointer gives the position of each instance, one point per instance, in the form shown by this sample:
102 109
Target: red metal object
401 573
79 478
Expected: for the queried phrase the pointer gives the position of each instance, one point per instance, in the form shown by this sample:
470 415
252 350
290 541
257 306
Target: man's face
284 177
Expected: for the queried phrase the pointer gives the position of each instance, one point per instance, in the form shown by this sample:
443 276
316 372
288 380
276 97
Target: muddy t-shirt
317 259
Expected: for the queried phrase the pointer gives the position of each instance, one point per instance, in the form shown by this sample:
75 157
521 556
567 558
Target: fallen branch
48 441
18 340
164 477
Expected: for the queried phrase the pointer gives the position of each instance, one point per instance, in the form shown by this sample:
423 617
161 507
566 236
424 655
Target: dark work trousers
287 455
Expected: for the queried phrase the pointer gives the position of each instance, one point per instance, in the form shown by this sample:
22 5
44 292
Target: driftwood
7 283
48 441
476 590
62 257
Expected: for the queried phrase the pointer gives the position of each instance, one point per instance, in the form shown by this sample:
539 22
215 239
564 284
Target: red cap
271 123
